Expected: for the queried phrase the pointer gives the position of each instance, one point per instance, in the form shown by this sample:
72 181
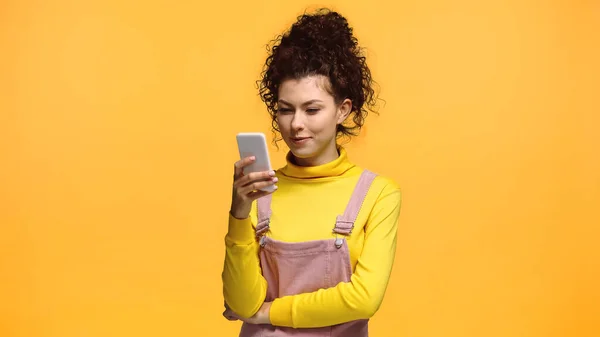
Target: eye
312 110
284 110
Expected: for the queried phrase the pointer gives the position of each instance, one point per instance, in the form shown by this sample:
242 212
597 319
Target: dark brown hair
321 43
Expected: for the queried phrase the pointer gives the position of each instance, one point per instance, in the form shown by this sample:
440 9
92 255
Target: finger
259 194
254 177
247 320
230 315
256 185
238 167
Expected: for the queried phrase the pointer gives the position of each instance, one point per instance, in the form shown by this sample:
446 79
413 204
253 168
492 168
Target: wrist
265 313
239 216
238 212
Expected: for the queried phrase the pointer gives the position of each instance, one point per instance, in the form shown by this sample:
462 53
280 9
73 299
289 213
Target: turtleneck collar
334 168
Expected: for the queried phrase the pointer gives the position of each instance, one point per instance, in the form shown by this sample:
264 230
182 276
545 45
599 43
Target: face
307 117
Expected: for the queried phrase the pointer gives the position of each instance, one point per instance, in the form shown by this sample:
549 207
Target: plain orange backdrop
117 125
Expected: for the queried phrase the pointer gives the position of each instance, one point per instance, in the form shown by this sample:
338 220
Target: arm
244 287
361 297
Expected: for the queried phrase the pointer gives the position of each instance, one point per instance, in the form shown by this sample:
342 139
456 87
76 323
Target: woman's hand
261 317
246 188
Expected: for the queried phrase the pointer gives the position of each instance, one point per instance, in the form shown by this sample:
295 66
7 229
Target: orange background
117 124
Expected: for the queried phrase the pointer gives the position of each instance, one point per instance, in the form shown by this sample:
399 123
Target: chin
303 152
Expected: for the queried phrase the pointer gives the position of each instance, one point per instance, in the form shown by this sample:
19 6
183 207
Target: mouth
299 140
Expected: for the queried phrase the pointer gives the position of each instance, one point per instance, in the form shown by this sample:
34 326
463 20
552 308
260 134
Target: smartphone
255 144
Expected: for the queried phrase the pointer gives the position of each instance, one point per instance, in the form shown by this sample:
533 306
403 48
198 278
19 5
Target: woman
312 258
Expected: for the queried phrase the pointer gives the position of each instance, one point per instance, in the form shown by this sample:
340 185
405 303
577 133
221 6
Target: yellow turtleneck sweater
304 207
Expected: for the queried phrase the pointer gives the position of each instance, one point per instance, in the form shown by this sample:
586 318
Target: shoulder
382 182
384 187
382 202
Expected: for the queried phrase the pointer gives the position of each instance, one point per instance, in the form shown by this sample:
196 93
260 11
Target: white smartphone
255 144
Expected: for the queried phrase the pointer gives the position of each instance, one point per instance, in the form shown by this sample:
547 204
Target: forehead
298 91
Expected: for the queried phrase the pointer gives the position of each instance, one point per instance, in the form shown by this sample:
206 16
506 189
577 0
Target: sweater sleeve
361 297
244 287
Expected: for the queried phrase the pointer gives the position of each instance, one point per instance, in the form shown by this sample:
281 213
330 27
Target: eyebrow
281 101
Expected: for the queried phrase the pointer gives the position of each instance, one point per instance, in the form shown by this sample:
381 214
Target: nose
298 121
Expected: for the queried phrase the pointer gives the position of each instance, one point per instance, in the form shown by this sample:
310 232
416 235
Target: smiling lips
300 140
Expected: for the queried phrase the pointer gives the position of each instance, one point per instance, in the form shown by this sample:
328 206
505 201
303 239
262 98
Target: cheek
331 121
282 125
325 125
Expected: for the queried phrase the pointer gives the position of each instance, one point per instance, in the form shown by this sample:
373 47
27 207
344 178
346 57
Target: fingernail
275 179
272 173
252 157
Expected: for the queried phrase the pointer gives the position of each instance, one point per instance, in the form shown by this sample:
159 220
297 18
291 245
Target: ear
344 110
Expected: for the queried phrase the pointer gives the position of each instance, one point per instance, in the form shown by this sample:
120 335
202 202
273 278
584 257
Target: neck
336 167
329 154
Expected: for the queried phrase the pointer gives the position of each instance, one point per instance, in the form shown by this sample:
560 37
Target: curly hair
320 44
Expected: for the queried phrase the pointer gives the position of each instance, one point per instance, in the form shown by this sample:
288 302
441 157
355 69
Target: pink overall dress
292 268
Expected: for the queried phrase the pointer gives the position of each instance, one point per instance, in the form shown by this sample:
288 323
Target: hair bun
323 28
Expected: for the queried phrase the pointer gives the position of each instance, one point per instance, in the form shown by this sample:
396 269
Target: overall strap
264 214
345 223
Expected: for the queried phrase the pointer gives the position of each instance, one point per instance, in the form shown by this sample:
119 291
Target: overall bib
292 268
